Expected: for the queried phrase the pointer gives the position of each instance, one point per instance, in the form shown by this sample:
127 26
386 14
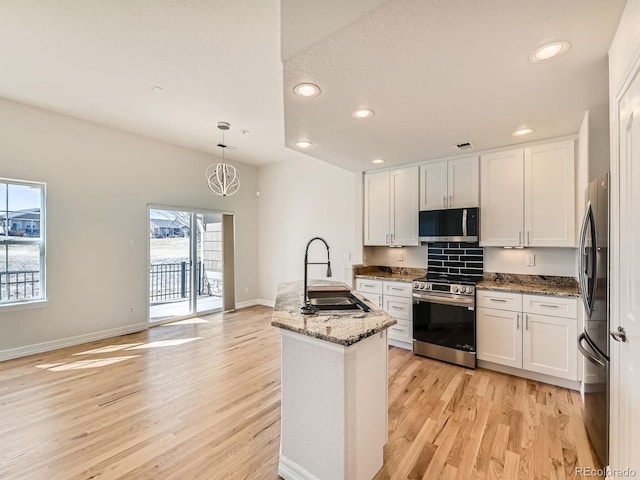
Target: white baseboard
255 301
290 470
69 341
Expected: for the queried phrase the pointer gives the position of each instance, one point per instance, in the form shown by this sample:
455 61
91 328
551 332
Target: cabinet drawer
401 331
398 289
374 298
366 285
398 307
552 306
499 300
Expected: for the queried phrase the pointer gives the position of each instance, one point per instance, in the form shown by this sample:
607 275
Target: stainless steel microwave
450 225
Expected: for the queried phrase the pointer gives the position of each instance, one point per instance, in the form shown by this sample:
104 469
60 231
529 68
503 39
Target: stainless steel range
444 319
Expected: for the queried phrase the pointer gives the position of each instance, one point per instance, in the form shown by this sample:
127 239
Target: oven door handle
456 302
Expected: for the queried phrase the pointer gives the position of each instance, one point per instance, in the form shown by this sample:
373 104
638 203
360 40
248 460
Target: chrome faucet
307 308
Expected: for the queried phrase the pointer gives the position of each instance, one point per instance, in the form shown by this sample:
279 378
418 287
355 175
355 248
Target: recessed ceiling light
306 90
244 132
522 131
363 113
377 160
549 51
156 89
304 144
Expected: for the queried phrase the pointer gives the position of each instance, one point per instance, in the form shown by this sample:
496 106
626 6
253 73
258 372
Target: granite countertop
341 327
399 274
531 284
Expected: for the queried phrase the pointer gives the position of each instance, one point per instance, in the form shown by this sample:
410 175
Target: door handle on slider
619 335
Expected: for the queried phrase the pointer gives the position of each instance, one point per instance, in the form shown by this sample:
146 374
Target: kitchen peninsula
334 389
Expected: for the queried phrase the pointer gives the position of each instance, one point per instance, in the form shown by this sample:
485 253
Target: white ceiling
436 72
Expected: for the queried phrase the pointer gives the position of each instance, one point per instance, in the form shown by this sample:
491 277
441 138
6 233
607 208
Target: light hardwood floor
202 401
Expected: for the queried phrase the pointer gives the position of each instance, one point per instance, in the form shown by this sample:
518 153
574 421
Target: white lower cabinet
536 333
498 336
395 298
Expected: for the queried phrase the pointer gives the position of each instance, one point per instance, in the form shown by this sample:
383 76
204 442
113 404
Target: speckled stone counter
341 327
401 274
531 284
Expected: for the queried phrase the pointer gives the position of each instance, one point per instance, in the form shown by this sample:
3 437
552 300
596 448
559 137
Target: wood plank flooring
201 400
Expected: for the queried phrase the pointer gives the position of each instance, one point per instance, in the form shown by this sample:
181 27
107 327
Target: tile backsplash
457 258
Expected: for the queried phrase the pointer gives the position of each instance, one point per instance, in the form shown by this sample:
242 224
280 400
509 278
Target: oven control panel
443 287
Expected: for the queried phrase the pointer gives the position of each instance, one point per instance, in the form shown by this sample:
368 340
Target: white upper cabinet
376 208
501 198
549 195
527 197
391 207
463 182
449 184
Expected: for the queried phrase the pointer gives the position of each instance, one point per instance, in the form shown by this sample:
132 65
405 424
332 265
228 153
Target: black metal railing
19 284
172 281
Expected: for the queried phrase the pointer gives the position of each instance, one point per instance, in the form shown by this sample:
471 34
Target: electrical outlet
132 310
400 256
531 260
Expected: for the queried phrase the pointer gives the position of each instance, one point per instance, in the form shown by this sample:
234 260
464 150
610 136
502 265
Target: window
22 241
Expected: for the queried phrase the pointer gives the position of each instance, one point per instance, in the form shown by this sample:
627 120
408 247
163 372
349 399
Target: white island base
334 408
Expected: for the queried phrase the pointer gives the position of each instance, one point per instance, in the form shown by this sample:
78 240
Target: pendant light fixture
223 178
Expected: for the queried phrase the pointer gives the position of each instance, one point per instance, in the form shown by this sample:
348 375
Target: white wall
300 200
548 261
624 45
99 182
415 257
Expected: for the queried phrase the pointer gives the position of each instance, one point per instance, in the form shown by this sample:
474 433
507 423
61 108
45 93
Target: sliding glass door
185 263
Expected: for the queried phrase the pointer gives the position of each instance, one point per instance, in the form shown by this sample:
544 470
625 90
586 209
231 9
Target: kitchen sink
343 302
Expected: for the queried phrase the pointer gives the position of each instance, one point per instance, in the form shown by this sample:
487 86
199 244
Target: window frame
40 241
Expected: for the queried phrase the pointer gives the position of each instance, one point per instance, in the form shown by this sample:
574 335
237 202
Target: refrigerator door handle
591 357
588 297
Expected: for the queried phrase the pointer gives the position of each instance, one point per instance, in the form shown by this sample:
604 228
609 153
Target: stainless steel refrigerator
593 342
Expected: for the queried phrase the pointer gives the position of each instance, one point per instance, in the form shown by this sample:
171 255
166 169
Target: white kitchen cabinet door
433 186
376 208
549 195
499 336
501 199
550 346
462 182
404 210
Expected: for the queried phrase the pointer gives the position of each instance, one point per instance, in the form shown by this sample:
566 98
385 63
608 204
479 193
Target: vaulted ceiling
435 72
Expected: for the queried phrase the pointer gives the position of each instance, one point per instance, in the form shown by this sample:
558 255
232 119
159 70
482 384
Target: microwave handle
464 222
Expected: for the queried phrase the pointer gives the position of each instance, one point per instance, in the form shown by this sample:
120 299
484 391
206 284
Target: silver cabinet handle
517 321
501 300
519 237
395 288
528 237
450 201
526 321
548 305
444 201
391 236
619 335
395 307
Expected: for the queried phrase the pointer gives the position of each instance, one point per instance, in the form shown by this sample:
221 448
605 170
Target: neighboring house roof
165 223
29 214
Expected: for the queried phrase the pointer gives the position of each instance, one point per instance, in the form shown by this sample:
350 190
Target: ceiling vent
464 145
